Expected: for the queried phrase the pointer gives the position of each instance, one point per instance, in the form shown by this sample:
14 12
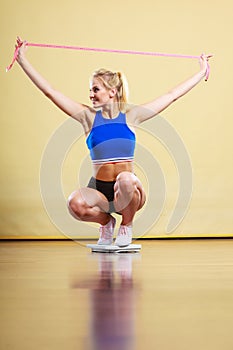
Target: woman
111 140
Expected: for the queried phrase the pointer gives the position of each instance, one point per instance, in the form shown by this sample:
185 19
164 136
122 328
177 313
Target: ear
112 92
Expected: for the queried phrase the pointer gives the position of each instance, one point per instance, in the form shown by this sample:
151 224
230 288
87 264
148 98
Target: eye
95 89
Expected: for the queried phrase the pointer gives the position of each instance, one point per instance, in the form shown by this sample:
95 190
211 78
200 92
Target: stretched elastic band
14 57
129 52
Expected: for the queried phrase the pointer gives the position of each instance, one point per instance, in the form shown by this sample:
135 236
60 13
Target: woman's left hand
204 62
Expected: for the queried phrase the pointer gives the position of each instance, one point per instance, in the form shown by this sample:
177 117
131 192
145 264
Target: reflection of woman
111 140
112 292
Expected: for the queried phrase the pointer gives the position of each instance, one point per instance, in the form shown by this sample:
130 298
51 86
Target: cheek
104 97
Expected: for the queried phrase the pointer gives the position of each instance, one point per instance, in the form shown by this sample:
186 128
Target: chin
96 104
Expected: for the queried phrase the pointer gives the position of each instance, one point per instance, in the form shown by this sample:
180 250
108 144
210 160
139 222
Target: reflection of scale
131 248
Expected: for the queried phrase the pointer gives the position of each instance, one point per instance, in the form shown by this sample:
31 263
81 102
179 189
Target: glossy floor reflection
173 295
112 294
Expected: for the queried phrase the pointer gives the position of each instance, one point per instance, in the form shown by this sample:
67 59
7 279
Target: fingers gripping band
129 52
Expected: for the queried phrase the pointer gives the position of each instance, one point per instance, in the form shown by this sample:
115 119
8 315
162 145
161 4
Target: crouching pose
109 127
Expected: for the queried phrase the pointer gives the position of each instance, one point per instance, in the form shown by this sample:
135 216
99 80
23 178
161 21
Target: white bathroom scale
131 248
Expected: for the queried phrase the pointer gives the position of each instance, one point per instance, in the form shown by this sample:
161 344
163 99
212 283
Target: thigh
142 194
141 191
90 197
130 178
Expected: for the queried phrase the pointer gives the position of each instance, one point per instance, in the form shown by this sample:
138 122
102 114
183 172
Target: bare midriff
109 171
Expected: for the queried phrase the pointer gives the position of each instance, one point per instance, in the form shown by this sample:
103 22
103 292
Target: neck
110 111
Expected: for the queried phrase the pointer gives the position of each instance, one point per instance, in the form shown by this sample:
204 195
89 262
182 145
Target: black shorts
105 187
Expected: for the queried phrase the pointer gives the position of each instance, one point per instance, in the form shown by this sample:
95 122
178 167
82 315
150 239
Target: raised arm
148 110
66 104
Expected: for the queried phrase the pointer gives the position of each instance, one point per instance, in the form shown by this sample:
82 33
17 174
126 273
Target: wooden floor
175 294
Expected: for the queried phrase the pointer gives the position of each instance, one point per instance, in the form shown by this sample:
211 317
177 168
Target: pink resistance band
105 50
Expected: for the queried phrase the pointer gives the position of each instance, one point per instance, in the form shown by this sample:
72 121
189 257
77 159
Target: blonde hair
116 80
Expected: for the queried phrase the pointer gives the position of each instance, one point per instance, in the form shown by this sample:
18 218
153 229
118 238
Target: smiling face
99 95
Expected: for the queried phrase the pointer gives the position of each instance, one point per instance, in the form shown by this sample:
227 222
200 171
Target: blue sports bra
111 140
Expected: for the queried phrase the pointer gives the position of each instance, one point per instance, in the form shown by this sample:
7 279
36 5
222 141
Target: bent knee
126 181
76 206
126 176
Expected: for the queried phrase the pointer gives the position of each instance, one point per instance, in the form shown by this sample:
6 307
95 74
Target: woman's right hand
22 45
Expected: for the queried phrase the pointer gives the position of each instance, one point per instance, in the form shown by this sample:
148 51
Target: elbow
49 93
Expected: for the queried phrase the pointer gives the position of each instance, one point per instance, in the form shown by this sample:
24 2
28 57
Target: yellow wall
202 119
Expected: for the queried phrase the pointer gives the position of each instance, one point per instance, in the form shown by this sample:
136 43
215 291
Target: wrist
203 72
21 59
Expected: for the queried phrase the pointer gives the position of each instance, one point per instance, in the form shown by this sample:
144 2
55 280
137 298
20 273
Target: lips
94 101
